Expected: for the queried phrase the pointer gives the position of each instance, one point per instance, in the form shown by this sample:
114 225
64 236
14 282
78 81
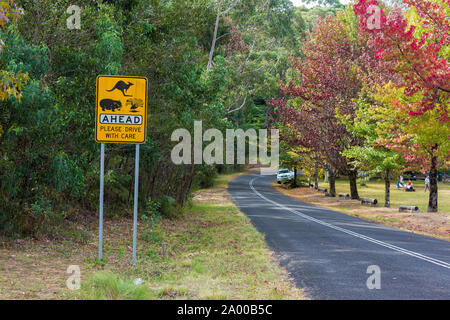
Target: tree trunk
213 45
387 189
433 199
332 181
186 185
353 187
310 175
295 178
316 175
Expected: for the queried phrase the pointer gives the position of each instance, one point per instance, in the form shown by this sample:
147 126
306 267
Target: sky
300 2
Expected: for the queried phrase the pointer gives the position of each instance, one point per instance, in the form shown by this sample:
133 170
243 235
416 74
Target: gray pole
102 173
136 186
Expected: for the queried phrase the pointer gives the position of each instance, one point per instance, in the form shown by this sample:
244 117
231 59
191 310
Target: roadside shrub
169 207
39 219
67 176
152 220
301 182
205 177
81 235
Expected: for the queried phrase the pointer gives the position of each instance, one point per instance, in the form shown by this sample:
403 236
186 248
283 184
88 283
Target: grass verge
431 224
211 252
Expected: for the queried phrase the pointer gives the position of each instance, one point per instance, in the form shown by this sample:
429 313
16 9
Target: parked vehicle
284 175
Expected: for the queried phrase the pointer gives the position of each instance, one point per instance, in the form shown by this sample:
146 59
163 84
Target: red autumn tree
416 51
328 79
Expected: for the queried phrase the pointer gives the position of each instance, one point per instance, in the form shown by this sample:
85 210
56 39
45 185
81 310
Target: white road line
355 234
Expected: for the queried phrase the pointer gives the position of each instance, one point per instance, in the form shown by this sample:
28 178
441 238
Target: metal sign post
136 192
102 175
120 117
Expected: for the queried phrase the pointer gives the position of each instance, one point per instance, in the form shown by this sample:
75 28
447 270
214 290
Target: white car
284 175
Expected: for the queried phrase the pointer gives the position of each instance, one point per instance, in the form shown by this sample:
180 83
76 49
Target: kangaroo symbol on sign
123 87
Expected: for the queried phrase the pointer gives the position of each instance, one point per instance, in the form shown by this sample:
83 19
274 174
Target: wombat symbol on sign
109 104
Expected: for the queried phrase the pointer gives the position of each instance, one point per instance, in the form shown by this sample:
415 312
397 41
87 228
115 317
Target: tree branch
240 107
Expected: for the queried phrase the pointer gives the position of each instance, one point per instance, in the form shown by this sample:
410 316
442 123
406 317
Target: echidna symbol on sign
134 104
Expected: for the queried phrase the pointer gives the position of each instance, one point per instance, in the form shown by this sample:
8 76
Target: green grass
106 285
222 180
212 252
375 189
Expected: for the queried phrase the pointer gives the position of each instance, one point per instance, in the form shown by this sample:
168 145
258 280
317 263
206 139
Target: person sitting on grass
400 183
409 186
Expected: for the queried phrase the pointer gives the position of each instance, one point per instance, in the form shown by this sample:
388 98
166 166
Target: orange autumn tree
414 46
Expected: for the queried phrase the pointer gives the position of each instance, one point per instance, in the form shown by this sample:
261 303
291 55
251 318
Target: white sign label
120 119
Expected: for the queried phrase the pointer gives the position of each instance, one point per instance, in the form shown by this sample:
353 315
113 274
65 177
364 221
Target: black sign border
97 119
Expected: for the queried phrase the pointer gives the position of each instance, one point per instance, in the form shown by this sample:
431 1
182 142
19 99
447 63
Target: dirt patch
32 270
427 223
213 195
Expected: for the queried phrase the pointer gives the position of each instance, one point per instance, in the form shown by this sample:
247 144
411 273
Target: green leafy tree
371 157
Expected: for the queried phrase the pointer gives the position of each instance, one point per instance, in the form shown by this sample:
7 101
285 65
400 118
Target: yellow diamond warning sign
121 109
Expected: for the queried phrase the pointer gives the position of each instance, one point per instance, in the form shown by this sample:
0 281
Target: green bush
169 207
301 182
39 219
152 220
205 177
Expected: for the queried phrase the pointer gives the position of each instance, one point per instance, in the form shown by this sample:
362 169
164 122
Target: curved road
335 256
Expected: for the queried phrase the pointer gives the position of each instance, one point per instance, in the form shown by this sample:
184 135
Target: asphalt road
335 256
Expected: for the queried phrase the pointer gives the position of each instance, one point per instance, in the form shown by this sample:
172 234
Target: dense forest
49 158
229 63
